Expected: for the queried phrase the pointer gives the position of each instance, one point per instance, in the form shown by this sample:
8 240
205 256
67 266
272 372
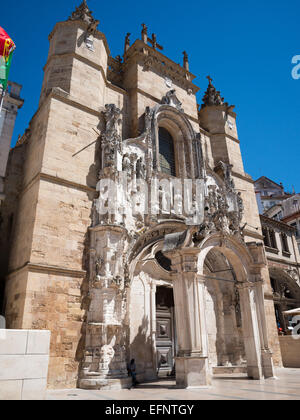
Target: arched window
166 152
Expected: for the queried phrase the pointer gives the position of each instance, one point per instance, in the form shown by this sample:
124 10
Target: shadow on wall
91 181
141 349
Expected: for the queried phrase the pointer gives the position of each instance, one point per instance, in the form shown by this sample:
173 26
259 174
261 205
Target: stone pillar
192 369
104 365
153 325
266 354
251 330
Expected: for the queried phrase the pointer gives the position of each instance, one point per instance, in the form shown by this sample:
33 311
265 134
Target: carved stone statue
172 100
227 173
112 115
140 169
111 142
148 119
126 166
127 43
144 33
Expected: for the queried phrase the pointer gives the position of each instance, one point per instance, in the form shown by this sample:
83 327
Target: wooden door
165 332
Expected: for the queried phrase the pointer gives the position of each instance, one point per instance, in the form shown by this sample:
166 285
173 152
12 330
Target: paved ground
285 387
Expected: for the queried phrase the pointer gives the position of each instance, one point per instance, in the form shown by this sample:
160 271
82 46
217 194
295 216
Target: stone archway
192 363
147 276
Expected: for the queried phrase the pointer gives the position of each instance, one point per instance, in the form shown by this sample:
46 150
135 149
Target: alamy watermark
296 68
296 329
138 197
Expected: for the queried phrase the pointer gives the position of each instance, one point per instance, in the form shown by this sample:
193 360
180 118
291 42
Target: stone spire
84 14
212 96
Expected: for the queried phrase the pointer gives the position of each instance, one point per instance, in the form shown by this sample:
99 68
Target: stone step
222 370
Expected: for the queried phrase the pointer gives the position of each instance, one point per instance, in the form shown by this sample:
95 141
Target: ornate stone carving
112 115
127 166
144 33
172 100
148 64
223 210
148 119
127 43
212 96
140 169
292 272
84 14
226 170
111 141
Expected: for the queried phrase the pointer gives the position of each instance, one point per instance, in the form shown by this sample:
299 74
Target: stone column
192 369
104 364
251 330
266 354
153 326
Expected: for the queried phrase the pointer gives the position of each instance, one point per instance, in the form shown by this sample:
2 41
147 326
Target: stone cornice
48 269
154 60
78 57
243 177
253 234
280 261
57 93
66 183
9 98
266 221
291 216
56 180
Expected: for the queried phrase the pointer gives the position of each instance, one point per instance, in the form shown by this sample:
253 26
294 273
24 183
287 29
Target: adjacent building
281 230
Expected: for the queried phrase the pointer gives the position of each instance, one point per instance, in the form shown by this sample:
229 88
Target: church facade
133 229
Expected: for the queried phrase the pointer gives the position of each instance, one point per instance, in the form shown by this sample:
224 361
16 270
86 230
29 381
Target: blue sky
245 46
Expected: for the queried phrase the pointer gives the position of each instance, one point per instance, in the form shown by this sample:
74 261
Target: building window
266 237
273 239
166 152
284 242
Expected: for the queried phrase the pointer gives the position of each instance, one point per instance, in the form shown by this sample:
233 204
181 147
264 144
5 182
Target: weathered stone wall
290 350
8 210
24 358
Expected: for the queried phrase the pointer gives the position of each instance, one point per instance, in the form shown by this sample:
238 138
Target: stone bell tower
218 118
77 60
49 256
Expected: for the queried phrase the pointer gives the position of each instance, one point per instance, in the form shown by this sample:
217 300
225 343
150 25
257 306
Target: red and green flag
7 47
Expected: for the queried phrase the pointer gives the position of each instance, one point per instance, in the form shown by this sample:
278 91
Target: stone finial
212 96
127 43
144 33
84 14
186 61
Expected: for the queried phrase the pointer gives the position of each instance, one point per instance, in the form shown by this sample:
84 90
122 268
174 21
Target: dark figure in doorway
131 368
